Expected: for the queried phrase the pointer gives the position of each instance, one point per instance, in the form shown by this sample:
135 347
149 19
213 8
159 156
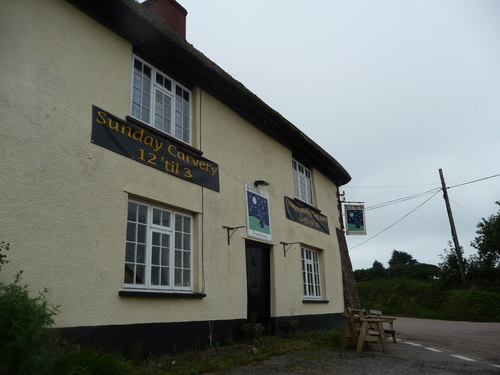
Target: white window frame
145 258
160 101
311 275
302 179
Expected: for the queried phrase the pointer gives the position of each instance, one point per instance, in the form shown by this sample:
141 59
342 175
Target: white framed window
302 182
158 253
311 279
159 101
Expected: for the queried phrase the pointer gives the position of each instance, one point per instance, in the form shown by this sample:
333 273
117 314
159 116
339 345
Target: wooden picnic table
366 327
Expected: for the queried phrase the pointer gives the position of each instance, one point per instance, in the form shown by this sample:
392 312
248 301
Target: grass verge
224 357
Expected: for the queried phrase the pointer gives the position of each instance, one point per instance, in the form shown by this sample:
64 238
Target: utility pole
453 231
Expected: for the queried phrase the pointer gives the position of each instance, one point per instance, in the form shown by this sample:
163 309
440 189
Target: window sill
308 205
168 136
315 301
144 293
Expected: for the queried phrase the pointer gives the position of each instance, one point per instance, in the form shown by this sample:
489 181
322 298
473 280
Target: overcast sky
394 90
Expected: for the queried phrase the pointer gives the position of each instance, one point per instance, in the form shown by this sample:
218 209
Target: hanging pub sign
258 217
305 215
355 219
152 149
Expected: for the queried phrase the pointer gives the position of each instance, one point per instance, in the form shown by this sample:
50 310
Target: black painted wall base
157 338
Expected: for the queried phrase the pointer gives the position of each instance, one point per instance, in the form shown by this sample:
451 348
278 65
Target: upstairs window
160 102
303 183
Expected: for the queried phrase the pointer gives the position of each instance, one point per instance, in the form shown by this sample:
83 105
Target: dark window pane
145 115
155 255
178 223
178 259
178 277
130 252
140 274
132 211
186 278
186 260
129 274
137 66
155 275
165 257
141 234
166 219
131 231
156 216
141 254
147 71
165 276
143 214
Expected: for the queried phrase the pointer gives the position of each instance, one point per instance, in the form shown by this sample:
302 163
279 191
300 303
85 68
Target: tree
400 257
487 243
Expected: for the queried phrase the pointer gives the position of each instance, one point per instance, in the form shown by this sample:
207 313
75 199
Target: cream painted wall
64 199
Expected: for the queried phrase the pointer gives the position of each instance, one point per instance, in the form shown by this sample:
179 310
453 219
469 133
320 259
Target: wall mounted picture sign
258 215
355 219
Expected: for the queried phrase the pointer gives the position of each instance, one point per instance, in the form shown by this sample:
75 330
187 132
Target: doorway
258 284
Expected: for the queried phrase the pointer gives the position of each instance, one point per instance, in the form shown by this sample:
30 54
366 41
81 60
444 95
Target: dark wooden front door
258 284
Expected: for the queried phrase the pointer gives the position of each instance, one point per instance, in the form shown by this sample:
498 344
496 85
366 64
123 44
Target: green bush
24 346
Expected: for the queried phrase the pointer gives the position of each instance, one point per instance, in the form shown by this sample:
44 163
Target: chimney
171 12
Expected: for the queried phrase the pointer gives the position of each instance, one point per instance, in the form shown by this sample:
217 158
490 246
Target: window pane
143 214
136 110
166 219
140 274
137 66
146 86
132 211
130 252
141 234
129 274
141 254
155 255
155 275
156 216
147 71
186 278
159 79
131 229
165 276
136 95
165 257
187 242
187 260
145 115
178 240
178 277
178 258
178 223
165 240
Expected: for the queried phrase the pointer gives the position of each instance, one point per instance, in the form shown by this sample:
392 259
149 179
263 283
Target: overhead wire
420 205
418 195
435 191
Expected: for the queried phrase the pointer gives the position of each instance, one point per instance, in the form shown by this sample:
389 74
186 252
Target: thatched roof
154 40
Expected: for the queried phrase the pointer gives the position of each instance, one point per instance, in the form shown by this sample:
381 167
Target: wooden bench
363 328
389 331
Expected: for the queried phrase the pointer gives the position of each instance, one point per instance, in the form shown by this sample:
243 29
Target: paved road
424 347
481 340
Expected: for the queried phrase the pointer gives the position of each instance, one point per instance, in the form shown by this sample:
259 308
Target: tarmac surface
424 347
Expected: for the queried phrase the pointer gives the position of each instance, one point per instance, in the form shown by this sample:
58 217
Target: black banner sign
305 215
149 148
